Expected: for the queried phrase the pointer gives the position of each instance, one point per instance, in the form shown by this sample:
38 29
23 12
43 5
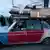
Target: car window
18 26
33 24
27 25
46 25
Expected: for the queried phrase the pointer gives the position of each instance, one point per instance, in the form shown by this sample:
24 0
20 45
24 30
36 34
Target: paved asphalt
26 47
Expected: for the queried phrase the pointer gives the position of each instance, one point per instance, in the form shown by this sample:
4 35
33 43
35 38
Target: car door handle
25 33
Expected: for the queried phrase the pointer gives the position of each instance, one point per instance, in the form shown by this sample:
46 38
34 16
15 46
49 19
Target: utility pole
46 3
12 3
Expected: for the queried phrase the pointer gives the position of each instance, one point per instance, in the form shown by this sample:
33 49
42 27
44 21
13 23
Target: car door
34 31
18 36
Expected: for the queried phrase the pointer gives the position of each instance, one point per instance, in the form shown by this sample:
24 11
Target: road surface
26 47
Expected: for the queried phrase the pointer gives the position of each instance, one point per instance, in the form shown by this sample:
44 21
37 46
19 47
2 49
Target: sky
6 5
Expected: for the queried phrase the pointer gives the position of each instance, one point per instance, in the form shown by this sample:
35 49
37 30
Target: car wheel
46 41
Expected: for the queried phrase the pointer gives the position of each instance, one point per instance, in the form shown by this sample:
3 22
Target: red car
29 31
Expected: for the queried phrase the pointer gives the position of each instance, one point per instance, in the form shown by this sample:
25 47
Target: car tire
46 41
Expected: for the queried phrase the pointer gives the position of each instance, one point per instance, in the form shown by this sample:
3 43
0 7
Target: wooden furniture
42 12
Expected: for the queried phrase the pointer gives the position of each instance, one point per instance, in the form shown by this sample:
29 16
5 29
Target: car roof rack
29 17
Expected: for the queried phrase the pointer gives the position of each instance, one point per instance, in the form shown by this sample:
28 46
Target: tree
2 20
